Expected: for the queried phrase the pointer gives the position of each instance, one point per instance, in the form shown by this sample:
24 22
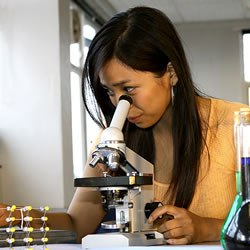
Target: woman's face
150 94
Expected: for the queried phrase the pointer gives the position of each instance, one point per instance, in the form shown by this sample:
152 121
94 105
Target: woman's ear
172 74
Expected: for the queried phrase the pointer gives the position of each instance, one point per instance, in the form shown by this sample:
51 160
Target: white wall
35 121
214 50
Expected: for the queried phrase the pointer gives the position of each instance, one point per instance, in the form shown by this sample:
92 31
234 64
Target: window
246 61
91 128
83 128
246 55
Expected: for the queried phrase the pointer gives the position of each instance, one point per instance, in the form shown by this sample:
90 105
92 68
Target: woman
188 138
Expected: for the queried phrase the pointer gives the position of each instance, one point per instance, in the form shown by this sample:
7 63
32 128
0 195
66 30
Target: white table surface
51 247
208 246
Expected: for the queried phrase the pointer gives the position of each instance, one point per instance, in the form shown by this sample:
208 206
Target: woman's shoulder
220 104
220 109
224 110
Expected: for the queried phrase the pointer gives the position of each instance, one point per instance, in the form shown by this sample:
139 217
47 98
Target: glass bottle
237 235
238 199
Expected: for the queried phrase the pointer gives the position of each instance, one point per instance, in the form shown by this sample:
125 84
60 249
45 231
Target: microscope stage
114 181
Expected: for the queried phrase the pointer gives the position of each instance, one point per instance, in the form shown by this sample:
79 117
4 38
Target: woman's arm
55 220
86 211
84 214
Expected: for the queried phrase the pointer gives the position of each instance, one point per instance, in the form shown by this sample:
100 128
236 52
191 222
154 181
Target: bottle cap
245 116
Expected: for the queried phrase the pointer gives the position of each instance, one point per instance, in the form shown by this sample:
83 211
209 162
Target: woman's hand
186 227
4 214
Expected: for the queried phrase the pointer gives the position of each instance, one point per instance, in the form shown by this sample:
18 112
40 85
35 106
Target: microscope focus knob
150 207
113 161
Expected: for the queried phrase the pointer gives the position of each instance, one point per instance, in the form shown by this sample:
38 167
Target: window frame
83 141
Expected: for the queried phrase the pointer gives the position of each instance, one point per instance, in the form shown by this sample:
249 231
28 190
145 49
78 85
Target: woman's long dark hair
145 39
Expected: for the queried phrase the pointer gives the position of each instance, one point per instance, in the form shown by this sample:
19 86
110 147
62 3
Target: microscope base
149 238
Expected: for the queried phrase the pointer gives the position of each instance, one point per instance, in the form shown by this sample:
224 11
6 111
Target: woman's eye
129 89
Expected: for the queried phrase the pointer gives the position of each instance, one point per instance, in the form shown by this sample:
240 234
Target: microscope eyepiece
127 98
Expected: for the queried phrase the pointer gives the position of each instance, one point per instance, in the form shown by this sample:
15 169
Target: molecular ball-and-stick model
25 227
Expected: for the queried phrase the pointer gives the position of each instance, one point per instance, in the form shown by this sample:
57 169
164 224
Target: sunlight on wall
246 56
77 133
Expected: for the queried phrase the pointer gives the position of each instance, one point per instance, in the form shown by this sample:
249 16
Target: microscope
129 191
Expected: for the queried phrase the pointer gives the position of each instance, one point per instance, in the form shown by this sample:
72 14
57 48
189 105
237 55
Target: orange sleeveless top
216 187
